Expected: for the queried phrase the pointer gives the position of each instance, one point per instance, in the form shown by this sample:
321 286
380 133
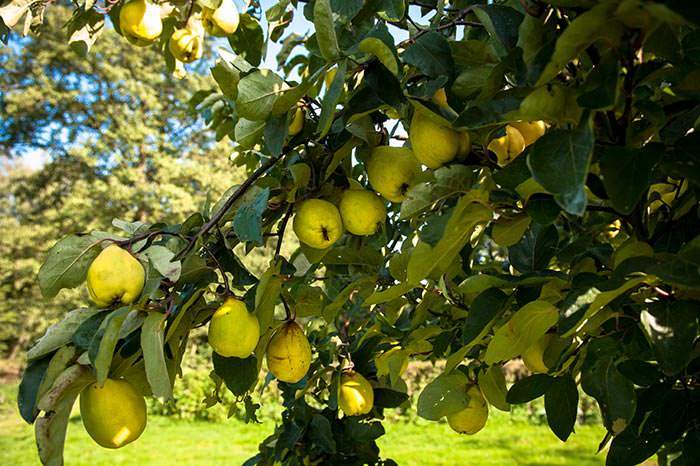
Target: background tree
555 218
118 140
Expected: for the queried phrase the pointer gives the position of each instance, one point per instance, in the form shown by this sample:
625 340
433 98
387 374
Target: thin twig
229 203
280 230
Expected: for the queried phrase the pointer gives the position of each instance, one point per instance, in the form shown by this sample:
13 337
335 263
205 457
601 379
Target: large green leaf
527 325
330 101
247 223
67 263
60 333
561 405
585 29
431 54
445 395
152 345
466 216
614 392
239 375
493 385
535 249
445 182
257 93
105 341
559 161
249 39
672 329
29 388
627 172
325 30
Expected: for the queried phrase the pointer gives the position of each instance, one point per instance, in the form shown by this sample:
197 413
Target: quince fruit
473 418
233 331
114 414
317 223
223 21
186 45
356 395
391 171
289 353
139 21
115 276
509 146
531 131
362 211
433 144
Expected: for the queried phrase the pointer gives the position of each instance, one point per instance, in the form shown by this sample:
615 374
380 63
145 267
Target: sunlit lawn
171 442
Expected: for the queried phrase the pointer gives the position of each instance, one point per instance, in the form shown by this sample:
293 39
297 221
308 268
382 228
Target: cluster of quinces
140 22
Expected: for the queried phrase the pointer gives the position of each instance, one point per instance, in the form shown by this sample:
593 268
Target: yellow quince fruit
114 414
356 395
433 144
233 331
391 171
139 21
317 223
289 353
115 276
223 21
473 418
362 211
531 131
186 45
509 146
297 123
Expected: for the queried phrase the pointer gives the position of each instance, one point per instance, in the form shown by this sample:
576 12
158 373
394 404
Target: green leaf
102 346
466 216
248 133
431 54
152 345
627 173
593 301
239 375
672 328
330 101
84 28
527 325
227 77
247 223
67 263
379 49
387 398
502 23
57 403
391 10
88 328
321 434
501 108
29 388
325 30
266 297
446 181
484 310
275 133
561 406
249 39
529 388
162 260
614 392
388 294
535 249
493 385
585 29
445 395
507 232
60 333
257 93
288 97
559 161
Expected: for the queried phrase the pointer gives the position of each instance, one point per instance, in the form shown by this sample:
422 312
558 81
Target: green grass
168 442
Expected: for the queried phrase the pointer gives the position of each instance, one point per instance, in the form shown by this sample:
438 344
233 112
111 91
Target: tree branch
229 203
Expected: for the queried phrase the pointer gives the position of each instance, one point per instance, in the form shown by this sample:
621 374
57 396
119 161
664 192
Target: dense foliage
555 217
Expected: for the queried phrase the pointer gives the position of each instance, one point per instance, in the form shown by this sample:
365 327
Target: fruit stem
290 315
